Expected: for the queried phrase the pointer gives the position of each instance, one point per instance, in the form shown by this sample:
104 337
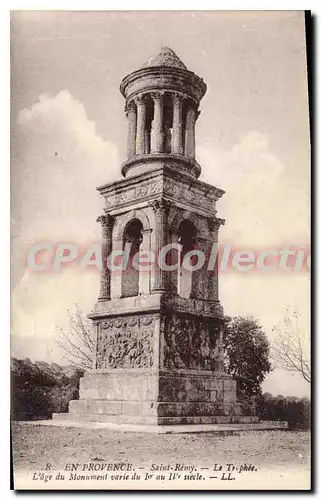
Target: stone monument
159 330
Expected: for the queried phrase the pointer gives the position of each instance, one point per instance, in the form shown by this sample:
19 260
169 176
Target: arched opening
187 240
131 243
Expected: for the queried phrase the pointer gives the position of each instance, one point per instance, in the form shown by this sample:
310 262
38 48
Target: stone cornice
148 78
162 182
188 165
165 304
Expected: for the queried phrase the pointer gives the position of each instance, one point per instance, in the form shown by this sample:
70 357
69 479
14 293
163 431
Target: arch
124 220
132 236
187 215
187 235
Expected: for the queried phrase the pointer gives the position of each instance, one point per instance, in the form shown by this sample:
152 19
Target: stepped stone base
149 397
153 420
162 429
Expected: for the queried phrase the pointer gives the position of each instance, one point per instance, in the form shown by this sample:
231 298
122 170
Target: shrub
296 411
40 389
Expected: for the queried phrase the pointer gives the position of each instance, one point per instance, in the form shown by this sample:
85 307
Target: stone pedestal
156 398
157 368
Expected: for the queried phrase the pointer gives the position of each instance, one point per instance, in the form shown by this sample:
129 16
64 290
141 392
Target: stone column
144 274
175 257
107 222
141 125
221 350
147 142
212 288
161 209
95 335
177 139
157 134
199 282
132 121
190 132
116 274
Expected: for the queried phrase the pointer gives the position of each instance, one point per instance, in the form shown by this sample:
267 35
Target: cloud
261 206
262 209
53 117
58 160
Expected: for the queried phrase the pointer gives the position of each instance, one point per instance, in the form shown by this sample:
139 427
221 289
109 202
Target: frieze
191 343
126 342
183 193
167 187
133 194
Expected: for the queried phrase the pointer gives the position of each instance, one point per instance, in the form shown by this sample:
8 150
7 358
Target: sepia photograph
160 250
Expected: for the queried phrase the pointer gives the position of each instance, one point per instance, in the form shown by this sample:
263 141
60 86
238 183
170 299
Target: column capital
140 99
106 220
183 96
215 223
157 95
160 206
177 97
192 110
130 107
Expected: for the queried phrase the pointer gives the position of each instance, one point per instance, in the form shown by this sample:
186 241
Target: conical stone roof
166 57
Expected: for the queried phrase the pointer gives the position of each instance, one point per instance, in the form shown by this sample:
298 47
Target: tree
291 347
77 340
246 354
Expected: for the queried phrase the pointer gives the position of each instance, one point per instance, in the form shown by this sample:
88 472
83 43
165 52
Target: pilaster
107 222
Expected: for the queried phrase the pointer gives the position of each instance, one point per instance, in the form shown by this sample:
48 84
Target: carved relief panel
191 342
126 342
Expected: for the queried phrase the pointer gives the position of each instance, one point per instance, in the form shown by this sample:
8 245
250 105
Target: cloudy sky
69 136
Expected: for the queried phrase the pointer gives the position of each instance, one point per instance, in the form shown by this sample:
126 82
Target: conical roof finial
166 57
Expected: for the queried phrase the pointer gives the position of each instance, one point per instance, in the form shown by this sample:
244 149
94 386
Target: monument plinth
159 330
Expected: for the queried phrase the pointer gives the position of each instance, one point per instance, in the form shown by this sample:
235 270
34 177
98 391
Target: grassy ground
271 452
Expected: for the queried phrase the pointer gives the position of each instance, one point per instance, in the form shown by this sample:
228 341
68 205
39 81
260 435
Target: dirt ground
269 451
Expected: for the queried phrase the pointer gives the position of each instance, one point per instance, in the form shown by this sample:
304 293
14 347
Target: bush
40 389
296 411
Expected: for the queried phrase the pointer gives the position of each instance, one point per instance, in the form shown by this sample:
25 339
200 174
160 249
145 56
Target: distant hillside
38 389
